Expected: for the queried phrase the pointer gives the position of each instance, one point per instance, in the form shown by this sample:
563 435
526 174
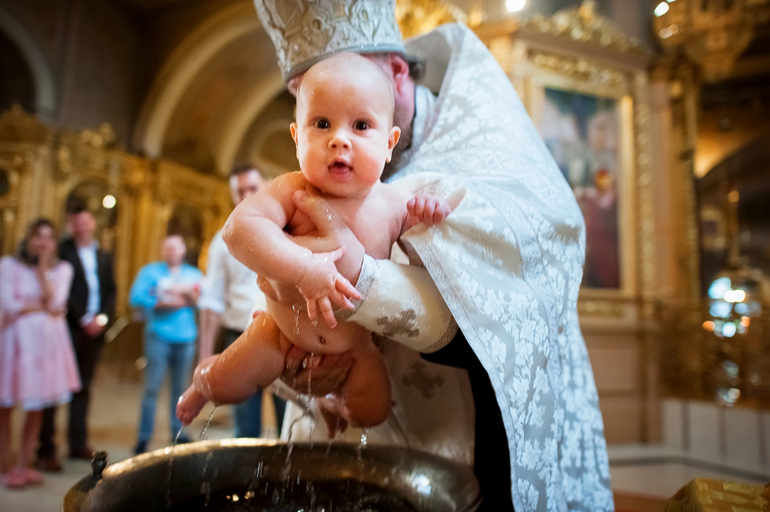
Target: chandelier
712 33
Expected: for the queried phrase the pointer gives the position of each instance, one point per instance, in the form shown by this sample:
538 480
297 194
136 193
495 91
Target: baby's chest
376 234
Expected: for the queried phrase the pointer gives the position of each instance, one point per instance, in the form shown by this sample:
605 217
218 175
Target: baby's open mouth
340 167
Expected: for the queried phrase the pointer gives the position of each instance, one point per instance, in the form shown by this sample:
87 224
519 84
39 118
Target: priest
478 322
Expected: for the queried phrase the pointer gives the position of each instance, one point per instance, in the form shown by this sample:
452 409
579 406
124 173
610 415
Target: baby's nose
339 140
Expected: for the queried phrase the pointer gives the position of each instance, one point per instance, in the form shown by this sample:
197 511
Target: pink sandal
16 479
32 476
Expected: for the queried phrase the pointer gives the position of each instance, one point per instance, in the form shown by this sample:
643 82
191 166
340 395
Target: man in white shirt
230 296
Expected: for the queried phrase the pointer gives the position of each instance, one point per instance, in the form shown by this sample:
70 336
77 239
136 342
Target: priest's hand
316 375
332 234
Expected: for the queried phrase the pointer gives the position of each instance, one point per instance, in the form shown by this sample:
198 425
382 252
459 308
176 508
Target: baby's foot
189 405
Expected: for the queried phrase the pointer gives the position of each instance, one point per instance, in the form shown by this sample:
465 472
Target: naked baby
344 134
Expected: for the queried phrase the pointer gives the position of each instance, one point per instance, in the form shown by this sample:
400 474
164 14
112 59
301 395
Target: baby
344 135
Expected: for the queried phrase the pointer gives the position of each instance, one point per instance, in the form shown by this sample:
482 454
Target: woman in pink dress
37 365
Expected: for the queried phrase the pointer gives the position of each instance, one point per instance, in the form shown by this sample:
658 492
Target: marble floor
643 477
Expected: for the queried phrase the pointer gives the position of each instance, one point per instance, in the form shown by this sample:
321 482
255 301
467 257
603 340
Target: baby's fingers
343 286
416 205
429 213
312 312
442 212
340 300
327 312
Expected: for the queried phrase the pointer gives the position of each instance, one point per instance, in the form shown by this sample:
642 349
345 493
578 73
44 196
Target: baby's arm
425 208
255 235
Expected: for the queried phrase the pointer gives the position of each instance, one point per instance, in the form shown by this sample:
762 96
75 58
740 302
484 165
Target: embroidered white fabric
508 263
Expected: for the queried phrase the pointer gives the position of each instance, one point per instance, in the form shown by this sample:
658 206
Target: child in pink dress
37 364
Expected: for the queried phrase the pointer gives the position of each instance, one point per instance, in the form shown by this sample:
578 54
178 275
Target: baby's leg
364 399
192 401
251 363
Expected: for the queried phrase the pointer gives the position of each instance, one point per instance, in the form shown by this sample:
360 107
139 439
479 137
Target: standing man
167 292
91 306
498 294
230 295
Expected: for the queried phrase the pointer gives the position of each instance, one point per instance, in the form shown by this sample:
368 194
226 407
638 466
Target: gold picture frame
590 135
578 55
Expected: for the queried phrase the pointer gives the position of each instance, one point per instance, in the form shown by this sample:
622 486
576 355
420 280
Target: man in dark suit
90 308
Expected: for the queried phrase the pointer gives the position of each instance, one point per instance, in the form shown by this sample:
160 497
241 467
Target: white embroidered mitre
307 31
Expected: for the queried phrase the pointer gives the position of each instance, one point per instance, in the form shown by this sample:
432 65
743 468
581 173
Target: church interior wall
184 107
91 49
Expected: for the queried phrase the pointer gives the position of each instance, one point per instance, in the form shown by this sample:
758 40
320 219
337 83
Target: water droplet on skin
296 311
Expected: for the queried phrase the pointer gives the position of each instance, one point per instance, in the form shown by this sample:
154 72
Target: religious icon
582 133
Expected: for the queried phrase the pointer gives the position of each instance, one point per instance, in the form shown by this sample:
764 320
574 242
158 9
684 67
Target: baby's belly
318 337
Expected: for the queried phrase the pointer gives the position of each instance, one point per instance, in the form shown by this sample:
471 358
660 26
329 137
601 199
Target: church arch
241 118
43 78
181 69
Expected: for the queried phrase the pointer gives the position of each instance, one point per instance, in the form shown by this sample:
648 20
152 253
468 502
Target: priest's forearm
402 303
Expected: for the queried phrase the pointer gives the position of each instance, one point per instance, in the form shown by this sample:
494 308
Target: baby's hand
189 405
322 285
426 209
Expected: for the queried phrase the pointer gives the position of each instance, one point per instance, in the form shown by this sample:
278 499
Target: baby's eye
361 125
323 124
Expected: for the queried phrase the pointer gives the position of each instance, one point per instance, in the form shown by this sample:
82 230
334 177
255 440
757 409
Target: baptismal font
267 476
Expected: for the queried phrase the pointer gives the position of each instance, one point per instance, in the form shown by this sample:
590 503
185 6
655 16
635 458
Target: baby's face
343 131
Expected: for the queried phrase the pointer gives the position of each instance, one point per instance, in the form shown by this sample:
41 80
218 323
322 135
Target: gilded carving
646 206
577 68
602 308
416 17
711 34
16 125
45 165
584 24
103 137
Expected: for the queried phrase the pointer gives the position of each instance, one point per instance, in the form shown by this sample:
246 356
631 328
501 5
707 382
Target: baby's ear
395 134
295 136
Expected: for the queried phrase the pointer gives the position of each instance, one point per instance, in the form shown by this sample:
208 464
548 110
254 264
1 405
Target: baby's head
344 129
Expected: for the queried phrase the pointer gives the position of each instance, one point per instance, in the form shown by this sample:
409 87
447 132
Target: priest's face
344 130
